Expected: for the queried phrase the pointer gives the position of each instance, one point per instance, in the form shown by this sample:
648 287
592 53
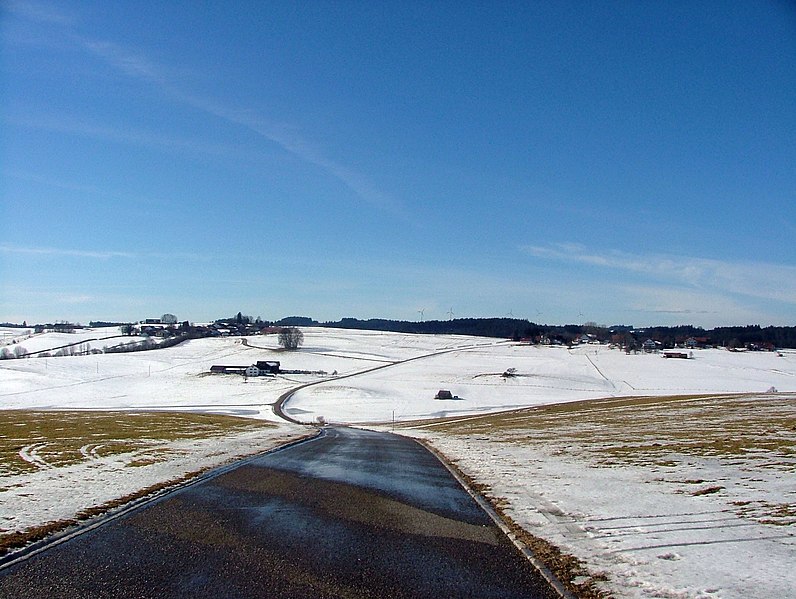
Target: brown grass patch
707 491
647 430
59 436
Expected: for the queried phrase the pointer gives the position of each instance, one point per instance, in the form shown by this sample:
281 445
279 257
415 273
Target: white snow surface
9 335
544 375
52 494
178 377
91 338
650 541
643 527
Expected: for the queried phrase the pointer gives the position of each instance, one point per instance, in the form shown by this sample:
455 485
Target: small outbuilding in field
444 394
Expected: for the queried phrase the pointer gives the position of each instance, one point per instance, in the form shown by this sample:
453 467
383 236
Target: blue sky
616 162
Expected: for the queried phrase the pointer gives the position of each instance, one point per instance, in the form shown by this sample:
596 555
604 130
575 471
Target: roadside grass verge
747 441
18 539
646 431
39 440
33 440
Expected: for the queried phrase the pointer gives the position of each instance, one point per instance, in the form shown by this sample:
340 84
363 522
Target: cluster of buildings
637 341
261 368
168 326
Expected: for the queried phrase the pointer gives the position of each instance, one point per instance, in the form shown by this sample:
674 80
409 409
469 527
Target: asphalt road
350 514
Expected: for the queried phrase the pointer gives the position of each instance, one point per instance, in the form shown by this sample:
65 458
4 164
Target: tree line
521 329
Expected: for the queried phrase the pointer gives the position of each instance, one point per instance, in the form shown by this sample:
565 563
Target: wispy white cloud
138 66
130 63
62 252
128 135
50 252
293 142
755 279
39 11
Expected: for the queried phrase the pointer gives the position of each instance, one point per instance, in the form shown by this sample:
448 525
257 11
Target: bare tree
290 337
20 352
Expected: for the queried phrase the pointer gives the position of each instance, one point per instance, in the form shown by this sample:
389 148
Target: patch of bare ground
752 432
33 439
707 490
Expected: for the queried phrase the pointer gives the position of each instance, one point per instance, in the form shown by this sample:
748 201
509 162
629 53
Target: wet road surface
350 514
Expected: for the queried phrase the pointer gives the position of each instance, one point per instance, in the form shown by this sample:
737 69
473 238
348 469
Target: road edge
485 505
34 548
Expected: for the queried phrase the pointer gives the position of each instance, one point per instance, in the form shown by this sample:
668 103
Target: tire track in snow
90 450
30 454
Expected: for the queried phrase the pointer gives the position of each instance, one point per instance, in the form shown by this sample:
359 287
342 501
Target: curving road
279 406
349 514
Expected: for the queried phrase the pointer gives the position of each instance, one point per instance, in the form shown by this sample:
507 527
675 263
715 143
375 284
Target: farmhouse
697 342
261 368
650 345
268 366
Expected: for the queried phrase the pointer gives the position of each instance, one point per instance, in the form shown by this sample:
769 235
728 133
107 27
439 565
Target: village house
697 342
261 368
650 345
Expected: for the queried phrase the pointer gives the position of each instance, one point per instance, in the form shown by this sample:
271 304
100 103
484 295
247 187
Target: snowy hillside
542 375
638 521
471 368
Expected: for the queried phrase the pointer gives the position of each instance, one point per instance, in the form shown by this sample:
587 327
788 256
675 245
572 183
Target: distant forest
753 336
750 336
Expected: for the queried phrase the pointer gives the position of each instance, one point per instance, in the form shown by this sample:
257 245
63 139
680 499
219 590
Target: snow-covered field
470 367
10 335
52 493
687 497
84 339
543 375
641 526
178 377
